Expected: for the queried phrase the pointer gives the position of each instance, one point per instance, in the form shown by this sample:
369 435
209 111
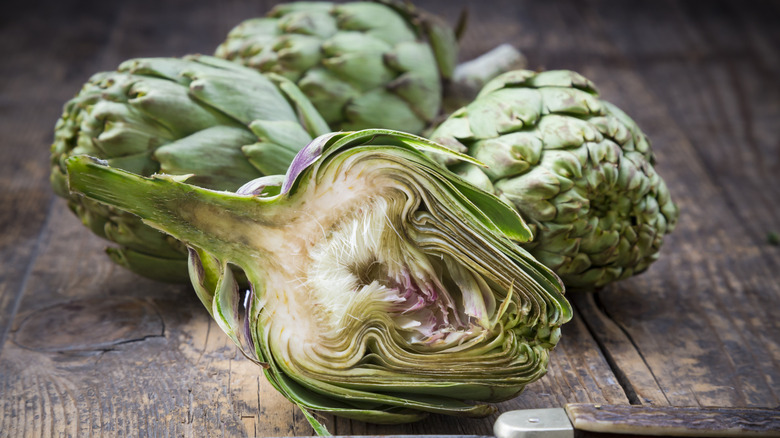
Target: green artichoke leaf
380 107
381 286
169 104
205 271
362 16
297 52
262 25
306 18
359 59
164 68
138 163
435 30
269 157
474 175
308 116
213 156
417 84
288 134
121 130
329 93
504 111
134 235
169 270
244 102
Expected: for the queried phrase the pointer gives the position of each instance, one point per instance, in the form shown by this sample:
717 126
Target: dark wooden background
89 349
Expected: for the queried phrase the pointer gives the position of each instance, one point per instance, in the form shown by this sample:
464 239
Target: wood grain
705 318
700 328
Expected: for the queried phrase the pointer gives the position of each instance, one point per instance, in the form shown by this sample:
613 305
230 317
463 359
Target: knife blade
578 419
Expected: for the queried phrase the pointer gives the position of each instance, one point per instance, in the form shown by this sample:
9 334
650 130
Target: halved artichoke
362 64
383 287
576 167
221 122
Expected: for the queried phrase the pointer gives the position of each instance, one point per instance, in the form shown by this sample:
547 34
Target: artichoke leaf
269 158
245 102
382 108
168 270
212 156
308 116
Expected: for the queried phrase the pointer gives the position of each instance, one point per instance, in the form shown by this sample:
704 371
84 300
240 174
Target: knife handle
592 420
674 421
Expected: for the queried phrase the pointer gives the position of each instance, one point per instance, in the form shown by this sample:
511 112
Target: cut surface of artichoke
379 290
355 251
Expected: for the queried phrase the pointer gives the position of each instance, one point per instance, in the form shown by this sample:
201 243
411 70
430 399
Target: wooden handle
674 421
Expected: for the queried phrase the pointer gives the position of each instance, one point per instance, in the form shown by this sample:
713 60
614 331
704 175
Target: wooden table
87 348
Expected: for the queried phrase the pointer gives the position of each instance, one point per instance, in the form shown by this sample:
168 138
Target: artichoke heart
577 168
382 287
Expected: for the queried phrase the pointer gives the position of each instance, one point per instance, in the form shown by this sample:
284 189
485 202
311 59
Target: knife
580 419
583 420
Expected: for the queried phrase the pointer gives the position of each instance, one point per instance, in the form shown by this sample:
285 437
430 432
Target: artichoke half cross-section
576 167
218 121
382 287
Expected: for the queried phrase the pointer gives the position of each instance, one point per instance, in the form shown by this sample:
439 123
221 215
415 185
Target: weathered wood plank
36 78
704 318
630 368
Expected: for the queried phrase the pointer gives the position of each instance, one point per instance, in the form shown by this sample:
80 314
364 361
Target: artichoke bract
362 64
576 167
217 121
383 287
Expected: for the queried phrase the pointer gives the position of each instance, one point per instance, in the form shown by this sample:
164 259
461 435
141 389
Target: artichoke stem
219 222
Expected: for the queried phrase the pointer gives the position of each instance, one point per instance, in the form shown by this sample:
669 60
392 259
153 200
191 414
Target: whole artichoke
576 167
382 286
215 120
362 64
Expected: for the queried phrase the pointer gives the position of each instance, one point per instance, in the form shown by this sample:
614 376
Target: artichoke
383 287
362 64
219 121
576 167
